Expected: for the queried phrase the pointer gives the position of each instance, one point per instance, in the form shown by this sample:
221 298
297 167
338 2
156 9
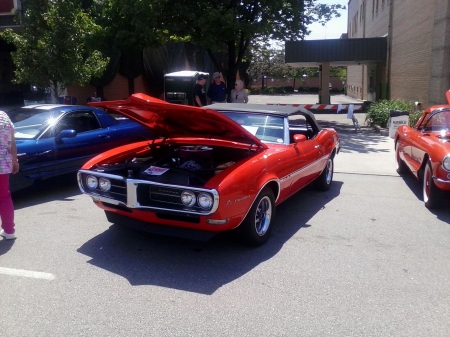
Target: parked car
223 167
58 139
424 150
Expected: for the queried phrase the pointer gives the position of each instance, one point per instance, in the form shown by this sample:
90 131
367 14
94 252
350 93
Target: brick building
417 64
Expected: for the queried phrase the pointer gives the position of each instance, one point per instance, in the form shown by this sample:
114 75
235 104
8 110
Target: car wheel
323 182
401 166
431 194
256 227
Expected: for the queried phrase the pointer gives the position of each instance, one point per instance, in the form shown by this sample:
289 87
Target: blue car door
77 137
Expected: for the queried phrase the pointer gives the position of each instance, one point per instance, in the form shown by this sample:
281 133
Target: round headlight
104 184
205 200
91 182
188 198
446 163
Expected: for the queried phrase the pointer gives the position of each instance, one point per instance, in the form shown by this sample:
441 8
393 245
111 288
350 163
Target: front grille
148 195
163 197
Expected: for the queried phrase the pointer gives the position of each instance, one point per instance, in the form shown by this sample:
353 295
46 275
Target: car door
83 139
307 161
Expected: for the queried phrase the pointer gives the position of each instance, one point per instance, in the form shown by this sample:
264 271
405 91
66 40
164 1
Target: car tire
257 225
401 166
323 182
431 194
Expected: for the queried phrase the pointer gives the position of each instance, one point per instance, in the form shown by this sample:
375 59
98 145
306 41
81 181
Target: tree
268 60
56 47
221 27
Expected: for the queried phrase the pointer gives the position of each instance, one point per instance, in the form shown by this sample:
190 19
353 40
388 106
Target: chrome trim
131 195
441 180
295 173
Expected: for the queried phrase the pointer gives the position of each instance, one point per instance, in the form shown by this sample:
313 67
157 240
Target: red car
214 169
425 151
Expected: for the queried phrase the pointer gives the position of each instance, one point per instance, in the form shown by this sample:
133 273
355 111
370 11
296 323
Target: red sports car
425 151
214 169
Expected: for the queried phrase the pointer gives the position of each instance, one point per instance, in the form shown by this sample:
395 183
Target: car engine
189 165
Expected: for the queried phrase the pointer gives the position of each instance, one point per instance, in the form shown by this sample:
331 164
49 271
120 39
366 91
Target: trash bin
397 118
179 86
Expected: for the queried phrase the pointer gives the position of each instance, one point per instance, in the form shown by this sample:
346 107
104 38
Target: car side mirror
298 138
65 134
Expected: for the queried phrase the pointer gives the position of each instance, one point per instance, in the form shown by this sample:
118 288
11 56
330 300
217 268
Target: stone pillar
324 92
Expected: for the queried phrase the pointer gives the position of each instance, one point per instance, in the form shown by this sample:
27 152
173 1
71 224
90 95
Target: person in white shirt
239 94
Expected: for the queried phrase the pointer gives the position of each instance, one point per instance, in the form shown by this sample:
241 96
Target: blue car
58 139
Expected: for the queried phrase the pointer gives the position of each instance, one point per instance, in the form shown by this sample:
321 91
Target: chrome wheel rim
329 170
397 156
426 184
263 216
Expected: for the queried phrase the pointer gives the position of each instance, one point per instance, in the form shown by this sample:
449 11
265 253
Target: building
417 62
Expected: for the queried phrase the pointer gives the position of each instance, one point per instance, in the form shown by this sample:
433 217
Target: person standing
8 164
239 94
199 91
217 91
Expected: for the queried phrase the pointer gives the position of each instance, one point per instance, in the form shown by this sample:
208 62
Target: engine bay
189 165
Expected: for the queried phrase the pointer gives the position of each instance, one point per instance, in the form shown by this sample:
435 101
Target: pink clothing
6 205
6 128
6 166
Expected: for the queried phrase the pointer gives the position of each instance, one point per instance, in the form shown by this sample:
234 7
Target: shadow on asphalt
200 267
442 213
367 140
57 188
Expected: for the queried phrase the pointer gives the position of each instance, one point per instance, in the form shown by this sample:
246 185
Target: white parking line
26 273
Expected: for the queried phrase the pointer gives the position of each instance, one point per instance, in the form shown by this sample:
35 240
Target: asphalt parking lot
364 259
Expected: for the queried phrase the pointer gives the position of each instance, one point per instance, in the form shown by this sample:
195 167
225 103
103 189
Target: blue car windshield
267 128
29 123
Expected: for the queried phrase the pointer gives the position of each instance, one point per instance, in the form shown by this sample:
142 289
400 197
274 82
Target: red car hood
173 120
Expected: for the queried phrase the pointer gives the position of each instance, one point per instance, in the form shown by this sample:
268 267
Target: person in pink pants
8 165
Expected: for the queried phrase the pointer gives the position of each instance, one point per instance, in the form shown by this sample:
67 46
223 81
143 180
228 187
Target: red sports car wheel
431 194
256 227
401 166
323 182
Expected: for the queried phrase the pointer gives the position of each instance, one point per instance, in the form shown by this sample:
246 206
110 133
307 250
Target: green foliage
267 60
414 117
54 48
224 28
270 90
378 113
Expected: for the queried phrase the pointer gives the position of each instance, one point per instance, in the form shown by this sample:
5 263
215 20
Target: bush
414 117
378 112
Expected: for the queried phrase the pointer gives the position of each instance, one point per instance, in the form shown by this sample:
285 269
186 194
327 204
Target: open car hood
174 120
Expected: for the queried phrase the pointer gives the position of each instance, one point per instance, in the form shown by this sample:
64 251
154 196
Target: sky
334 28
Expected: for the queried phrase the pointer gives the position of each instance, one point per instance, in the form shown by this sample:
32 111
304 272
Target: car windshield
29 123
438 121
267 128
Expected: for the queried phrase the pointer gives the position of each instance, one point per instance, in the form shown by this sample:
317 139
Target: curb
382 131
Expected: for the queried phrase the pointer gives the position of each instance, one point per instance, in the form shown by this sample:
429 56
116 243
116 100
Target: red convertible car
213 169
425 151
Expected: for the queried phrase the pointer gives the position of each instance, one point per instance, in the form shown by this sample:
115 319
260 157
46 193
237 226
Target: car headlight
205 200
104 184
188 198
446 163
91 182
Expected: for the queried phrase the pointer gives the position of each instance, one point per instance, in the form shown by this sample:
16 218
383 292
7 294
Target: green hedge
257 90
378 113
